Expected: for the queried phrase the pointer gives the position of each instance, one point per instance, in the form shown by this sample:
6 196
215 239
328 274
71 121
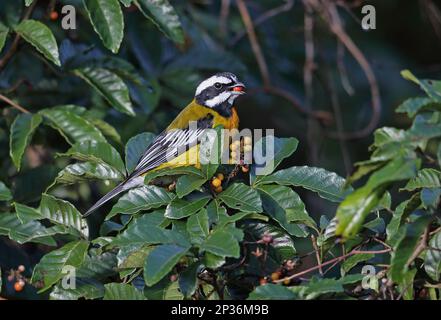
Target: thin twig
317 253
223 17
13 104
323 116
264 17
339 259
14 46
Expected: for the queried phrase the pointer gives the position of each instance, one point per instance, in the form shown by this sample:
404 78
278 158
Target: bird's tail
113 193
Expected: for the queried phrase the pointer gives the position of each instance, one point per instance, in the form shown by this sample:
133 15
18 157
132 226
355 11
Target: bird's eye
218 85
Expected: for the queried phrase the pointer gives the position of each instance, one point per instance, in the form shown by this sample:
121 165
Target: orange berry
216 182
263 281
220 176
275 275
53 15
21 268
19 285
286 281
218 190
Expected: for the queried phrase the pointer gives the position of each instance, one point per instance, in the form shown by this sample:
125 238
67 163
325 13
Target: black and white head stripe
223 78
219 90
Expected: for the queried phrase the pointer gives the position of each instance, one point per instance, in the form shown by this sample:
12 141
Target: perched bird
211 106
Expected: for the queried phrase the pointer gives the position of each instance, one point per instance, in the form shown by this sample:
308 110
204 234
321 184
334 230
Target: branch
332 261
264 17
14 46
13 104
268 87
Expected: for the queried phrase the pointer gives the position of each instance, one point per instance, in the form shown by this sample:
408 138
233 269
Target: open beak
238 88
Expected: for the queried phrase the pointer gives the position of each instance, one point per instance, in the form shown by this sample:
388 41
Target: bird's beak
238 88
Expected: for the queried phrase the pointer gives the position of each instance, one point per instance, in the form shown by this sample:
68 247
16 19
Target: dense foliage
177 237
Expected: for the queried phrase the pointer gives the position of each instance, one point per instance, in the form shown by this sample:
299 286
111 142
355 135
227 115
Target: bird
212 105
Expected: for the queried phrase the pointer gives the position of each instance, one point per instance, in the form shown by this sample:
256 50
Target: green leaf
3 35
352 212
5 193
405 247
144 231
164 16
187 184
85 171
28 2
197 227
31 231
432 261
22 129
96 151
71 126
50 267
11 12
135 147
426 126
222 243
41 37
180 208
272 292
277 150
282 244
188 279
426 178
327 184
317 287
431 87
106 129
107 20
133 256
122 291
282 203
126 3
26 214
84 288
430 198
161 261
241 197
414 105
110 86
353 260
142 198
63 213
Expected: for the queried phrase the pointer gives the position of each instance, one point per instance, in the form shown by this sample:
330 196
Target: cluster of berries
17 277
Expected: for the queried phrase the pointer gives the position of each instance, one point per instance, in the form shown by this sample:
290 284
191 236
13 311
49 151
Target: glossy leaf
72 127
50 267
241 197
142 198
63 213
272 292
180 208
327 184
164 16
122 291
96 151
79 172
405 247
282 203
432 261
107 20
22 129
110 86
161 261
426 178
5 193
41 37
222 243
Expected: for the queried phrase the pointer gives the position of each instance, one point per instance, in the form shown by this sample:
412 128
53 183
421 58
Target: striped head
219 91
